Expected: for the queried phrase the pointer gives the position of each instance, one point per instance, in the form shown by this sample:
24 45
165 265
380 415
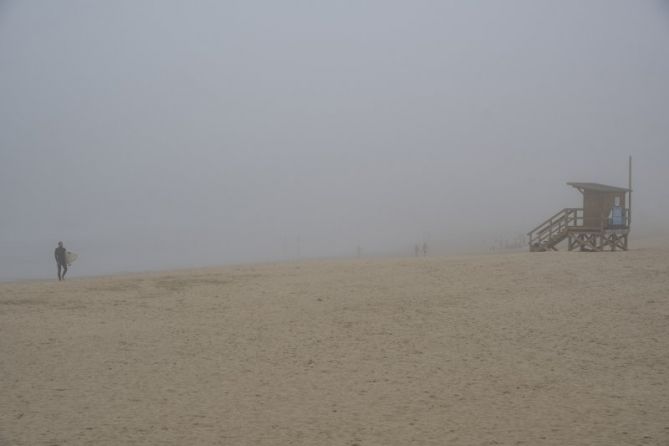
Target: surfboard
70 257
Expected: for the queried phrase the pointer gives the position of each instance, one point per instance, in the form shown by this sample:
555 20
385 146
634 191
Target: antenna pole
629 204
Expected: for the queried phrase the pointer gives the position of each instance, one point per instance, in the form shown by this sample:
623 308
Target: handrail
552 231
553 222
625 220
555 226
548 220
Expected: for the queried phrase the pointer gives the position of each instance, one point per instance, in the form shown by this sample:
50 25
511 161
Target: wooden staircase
554 230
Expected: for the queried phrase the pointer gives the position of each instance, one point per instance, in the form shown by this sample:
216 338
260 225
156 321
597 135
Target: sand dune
533 349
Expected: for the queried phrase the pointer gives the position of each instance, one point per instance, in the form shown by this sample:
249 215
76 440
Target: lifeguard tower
603 223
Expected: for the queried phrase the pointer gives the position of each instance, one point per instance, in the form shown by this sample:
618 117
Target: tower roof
598 187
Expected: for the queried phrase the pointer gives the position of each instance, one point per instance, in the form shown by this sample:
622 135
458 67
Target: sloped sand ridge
545 348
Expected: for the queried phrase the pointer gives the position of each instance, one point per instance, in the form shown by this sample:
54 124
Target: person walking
61 261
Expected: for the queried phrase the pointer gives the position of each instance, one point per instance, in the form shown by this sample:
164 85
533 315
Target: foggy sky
157 134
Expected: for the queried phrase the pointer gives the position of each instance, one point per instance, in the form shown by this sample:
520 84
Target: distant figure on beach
424 249
61 261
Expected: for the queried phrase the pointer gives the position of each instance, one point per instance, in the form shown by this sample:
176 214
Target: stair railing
555 227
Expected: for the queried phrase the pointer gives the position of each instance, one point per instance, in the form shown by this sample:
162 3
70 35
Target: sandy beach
511 349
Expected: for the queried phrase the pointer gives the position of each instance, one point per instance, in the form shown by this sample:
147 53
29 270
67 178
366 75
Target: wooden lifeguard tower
603 223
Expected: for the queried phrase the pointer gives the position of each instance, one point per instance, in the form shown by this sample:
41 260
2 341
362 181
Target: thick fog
156 134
